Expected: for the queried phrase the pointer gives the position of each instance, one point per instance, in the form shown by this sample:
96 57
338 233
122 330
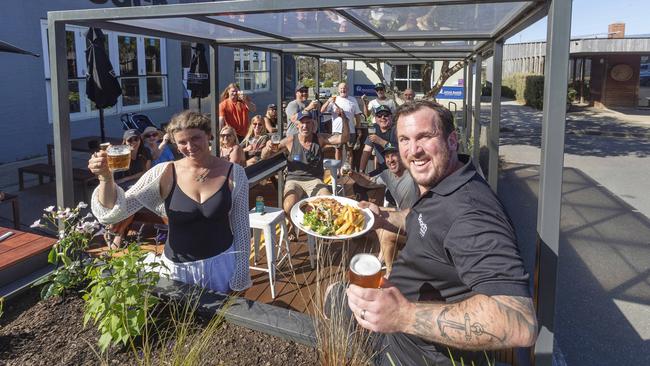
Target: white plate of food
332 217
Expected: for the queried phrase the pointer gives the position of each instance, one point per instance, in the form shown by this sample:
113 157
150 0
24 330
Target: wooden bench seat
44 170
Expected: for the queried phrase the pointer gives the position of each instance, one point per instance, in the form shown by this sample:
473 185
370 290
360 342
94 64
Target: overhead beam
124 28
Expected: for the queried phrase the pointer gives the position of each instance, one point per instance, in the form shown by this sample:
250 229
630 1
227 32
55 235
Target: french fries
345 219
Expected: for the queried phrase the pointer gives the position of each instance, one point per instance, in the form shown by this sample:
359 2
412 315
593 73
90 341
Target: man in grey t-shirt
301 103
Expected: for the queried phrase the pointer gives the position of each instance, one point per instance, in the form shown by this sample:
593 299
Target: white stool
266 223
333 166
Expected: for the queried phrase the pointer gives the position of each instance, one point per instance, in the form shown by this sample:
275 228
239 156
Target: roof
342 29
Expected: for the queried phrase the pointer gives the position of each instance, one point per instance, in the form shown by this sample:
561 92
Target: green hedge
526 88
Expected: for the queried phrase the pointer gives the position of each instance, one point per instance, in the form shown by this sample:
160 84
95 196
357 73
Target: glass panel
481 18
401 84
261 80
130 91
401 71
194 28
152 56
296 23
154 89
73 96
128 55
416 85
644 82
416 71
71 55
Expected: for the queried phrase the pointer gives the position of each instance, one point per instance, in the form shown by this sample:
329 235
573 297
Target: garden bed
51 332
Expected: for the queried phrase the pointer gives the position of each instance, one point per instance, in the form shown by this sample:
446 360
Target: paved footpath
610 147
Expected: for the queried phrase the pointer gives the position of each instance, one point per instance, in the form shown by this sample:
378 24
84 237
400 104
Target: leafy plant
119 298
74 233
2 305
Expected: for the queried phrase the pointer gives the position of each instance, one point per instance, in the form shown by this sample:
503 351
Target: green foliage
528 89
310 83
67 252
119 298
571 95
328 83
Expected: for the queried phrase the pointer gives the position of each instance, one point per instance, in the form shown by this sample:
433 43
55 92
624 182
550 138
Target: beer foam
365 264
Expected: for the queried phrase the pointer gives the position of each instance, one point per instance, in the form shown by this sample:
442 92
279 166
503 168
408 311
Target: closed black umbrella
102 86
8 47
198 78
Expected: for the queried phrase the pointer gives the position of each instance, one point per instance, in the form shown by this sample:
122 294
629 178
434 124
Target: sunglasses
303 91
382 115
257 124
226 135
379 90
150 135
132 139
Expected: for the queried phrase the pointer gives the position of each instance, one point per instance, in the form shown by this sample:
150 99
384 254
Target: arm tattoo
519 309
476 329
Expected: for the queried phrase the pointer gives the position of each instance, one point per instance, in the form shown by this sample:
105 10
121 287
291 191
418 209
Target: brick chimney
616 30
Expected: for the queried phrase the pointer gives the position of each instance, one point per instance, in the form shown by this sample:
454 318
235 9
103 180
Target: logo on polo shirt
423 226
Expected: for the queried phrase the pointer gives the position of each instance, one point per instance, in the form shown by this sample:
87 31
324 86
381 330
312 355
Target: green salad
320 221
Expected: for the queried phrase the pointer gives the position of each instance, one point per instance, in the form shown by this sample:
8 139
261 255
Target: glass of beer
275 138
119 157
346 168
365 271
371 129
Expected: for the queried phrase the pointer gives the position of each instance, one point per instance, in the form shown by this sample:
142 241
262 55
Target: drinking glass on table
346 168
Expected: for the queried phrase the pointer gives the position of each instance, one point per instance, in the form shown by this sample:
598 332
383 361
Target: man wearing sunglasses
383 137
300 104
304 152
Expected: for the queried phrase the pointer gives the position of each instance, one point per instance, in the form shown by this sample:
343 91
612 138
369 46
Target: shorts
305 187
351 141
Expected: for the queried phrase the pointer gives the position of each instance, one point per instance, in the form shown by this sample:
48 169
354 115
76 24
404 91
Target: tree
445 73
430 92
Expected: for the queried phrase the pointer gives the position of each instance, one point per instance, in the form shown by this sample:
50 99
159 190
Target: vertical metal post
214 96
476 128
551 166
317 93
465 125
469 97
341 71
60 114
495 116
279 94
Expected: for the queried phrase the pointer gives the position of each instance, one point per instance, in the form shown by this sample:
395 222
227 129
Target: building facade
151 71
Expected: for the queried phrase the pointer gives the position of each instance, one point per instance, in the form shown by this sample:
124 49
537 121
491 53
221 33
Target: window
252 70
409 76
139 62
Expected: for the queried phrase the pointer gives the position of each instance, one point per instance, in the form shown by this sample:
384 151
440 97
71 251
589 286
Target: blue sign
451 92
367 89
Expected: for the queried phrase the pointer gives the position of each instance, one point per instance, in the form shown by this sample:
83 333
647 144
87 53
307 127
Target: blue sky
591 17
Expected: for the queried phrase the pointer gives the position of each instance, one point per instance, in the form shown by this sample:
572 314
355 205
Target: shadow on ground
603 290
588 133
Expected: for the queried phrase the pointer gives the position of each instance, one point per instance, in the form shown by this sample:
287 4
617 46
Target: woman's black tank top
197 230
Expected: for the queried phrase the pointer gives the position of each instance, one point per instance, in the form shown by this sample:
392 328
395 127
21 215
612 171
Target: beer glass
275 138
365 271
372 130
119 157
346 168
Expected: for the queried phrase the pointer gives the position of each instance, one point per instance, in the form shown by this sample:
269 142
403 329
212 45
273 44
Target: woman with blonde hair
229 148
234 109
255 140
205 200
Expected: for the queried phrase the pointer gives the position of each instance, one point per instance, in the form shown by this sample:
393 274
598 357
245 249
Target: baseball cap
382 108
390 148
380 86
271 106
149 130
130 133
303 114
301 86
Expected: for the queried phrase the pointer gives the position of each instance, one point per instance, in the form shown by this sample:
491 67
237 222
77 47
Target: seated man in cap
401 186
300 104
383 137
271 118
304 152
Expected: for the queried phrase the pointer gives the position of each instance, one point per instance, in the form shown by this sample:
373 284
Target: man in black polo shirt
459 286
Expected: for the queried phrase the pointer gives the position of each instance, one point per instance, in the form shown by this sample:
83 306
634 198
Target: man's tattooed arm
480 322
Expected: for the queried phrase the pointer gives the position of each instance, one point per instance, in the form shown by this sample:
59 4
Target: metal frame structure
261 25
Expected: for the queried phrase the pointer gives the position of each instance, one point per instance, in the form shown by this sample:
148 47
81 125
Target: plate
297 217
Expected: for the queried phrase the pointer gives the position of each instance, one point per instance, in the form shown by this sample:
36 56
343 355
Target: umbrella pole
199 104
101 125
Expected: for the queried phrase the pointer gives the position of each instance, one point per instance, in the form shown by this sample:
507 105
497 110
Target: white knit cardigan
146 193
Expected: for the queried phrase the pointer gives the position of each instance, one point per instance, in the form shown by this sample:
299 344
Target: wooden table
19 251
14 207
82 144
